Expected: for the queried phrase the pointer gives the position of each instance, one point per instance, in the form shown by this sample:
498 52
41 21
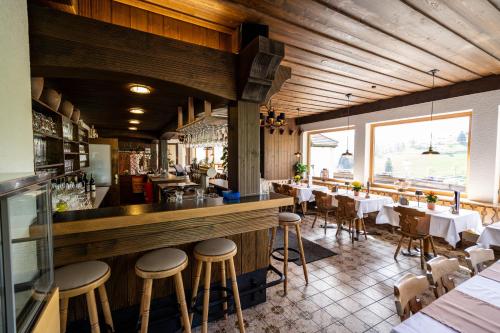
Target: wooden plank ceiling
373 49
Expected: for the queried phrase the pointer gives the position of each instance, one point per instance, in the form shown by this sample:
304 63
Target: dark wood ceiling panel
477 21
405 27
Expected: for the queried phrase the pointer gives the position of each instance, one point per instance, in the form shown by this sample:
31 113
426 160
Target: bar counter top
145 214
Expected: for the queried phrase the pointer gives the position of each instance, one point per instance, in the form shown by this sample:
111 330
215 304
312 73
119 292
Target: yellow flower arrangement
357 186
297 178
431 197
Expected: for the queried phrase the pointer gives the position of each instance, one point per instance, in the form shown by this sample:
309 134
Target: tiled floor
349 292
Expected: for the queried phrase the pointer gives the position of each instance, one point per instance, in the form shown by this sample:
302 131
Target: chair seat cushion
215 247
288 217
161 260
80 274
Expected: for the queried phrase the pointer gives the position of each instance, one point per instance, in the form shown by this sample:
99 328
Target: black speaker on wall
248 31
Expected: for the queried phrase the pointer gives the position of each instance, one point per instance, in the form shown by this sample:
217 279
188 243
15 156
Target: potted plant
431 199
356 187
297 179
300 169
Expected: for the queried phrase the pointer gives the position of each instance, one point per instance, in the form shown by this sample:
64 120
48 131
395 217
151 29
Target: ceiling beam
73 43
459 89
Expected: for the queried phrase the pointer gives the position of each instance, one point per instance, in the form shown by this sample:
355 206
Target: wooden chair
439 272
476 257
160 264
82 279
407 292
292 192
324 206
346 212
408 221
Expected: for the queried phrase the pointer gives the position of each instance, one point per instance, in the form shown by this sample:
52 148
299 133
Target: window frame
330 130
373 126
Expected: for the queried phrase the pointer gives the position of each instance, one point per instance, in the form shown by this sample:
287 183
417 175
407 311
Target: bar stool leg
196 284
145 304
92 308
105 306
422 259
223 283
206 297
234 283
301 252
181 298
273 237
63 313
285 257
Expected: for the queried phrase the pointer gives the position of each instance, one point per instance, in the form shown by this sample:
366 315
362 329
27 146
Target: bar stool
83 278
287 220
161 264
218 250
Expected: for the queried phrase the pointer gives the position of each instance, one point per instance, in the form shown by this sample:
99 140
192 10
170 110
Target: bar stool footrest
198 309
290 259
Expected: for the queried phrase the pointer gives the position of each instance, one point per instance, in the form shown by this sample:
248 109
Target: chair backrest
276 187
476 257
323 200
346 207
288 190
439 270
407 291
408 219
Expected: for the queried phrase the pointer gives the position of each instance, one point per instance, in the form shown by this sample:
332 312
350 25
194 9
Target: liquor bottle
85 183
92 183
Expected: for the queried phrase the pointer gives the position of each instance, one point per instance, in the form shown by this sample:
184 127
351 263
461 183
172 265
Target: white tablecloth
443 223
365 205
490 235
486 290
304 193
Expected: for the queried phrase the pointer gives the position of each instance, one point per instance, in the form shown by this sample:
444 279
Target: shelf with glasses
46 135
45 166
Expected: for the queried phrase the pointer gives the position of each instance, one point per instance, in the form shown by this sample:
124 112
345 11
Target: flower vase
431 205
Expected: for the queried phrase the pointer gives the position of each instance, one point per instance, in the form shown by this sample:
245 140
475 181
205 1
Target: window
397 152
326 149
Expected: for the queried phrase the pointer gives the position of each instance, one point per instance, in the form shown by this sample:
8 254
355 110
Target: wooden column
180 120
190 110
163 155
244 148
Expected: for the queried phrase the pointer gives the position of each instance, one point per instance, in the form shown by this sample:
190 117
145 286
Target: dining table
473 306
442 222
490 236
363 204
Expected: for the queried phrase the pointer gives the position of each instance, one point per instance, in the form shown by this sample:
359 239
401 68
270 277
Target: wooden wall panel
140 19
279 153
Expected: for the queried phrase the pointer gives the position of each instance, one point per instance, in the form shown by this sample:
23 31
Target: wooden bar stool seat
218 250
161 264
289 220
83 278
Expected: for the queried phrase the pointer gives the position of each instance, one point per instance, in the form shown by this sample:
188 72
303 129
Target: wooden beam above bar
62 43
488 83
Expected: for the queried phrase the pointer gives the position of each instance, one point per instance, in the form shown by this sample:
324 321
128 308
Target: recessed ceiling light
139 88
134 121
136 110
324 61
133 128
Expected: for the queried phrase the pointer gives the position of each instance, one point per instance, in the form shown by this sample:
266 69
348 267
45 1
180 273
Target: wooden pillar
163 154
244 148
180 120
190 110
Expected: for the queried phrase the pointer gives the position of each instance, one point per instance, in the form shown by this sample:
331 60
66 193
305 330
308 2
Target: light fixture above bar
136 110
139 88
134 121
132 128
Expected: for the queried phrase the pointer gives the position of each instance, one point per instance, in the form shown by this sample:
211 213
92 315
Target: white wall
485 135
16 137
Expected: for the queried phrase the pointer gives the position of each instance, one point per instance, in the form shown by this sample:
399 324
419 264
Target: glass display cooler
26 264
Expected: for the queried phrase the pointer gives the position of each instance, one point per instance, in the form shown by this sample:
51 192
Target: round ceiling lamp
136 110
132 128
134 121
431 151
298 154
139 88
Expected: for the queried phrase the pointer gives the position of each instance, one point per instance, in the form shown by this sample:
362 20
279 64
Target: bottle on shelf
92 183
85 183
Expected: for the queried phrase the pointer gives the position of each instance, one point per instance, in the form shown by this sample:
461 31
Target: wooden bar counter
120 235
